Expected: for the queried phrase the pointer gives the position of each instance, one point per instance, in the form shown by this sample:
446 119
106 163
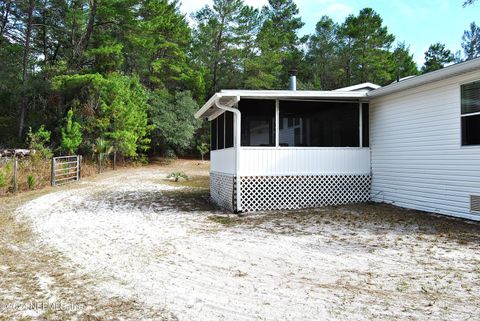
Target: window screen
228 129
213 134
221 131
320 124
470 97
365 126
258 122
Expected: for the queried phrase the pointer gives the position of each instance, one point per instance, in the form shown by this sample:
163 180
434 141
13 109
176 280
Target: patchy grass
378 218
226 220
196 181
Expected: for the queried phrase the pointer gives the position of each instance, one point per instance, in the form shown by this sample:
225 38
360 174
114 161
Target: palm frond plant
177 176
101 149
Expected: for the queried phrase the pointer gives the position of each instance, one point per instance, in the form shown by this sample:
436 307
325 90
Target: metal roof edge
437 75
364 85
279 94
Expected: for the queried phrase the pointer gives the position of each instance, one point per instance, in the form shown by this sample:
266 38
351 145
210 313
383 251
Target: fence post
15 165
80 160
114 160
53 171
78 167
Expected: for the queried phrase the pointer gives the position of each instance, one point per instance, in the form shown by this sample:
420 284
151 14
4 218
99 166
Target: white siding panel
223 161
258 161
416 154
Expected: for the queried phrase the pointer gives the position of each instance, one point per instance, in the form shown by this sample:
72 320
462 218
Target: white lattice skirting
222 188
261 193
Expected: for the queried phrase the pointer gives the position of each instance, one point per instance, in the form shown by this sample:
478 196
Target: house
414 143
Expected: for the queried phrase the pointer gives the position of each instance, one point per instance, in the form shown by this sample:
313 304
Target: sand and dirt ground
132 245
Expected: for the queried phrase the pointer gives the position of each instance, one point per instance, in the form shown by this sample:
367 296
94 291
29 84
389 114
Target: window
320 124
470 96
258 122
213 134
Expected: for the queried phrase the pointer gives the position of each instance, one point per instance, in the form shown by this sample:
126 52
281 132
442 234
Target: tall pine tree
471 42
436 57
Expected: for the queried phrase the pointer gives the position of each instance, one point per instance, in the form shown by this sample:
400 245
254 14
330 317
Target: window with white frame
470 100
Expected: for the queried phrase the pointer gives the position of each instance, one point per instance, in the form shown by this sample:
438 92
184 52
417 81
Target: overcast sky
417 22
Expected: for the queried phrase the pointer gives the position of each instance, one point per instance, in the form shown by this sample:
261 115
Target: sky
418 23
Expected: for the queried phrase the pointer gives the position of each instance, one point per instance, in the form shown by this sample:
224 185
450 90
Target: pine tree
71 135
216 40
436 57
366 44
471 42
402 63
278 46
322 61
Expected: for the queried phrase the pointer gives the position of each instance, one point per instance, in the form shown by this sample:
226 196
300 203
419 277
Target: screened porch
292 137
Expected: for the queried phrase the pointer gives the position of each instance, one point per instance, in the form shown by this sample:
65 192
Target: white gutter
207 105
238 125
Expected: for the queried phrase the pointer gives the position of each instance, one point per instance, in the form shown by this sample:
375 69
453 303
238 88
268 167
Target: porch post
238 126
238 141
277 123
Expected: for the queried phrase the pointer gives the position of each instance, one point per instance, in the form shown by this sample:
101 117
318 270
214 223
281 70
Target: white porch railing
223 161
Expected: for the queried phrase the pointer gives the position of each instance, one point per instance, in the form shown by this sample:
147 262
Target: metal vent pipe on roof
292 85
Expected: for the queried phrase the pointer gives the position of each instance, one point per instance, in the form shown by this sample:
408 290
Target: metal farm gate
65 169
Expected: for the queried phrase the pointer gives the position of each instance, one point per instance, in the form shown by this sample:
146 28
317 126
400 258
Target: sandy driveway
164 246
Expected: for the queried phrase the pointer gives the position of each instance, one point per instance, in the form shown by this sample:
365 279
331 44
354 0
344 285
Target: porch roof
231 97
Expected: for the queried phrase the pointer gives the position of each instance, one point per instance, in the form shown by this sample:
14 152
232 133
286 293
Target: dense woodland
79 76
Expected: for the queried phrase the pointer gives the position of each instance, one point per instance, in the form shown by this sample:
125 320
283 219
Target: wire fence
27 172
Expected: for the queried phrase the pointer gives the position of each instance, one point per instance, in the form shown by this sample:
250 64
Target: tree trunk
5 14
218 43
83 43
26 54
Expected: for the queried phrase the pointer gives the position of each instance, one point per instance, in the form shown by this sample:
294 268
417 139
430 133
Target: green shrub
3 180
203 148
177 176
31 181
8 168
38 142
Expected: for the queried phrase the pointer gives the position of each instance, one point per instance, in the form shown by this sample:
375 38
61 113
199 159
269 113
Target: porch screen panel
365 126
221 131
213 134
319 124
228 129
258 122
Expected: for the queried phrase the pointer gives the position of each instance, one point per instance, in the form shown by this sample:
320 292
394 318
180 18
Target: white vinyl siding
417 158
